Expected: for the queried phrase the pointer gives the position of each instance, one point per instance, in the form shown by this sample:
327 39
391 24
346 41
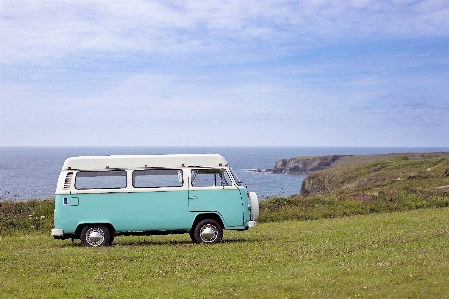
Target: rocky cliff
316 184
305 165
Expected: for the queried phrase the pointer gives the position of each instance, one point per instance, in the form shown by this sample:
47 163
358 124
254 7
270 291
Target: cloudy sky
225 73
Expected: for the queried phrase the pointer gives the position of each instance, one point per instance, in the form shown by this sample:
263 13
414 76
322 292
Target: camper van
100 197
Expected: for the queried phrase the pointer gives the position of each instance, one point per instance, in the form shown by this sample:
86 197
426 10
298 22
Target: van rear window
155 178
114 179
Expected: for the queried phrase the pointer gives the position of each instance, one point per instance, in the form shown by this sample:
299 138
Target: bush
340 205
26 216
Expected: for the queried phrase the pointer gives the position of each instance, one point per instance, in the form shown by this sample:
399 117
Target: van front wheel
207 231
95 235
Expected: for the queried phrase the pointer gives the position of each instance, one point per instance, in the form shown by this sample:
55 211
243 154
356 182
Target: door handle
193 197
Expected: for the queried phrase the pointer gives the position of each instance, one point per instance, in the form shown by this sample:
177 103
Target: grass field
389 255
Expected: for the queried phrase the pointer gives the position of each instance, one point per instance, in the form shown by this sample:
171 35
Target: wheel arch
204 216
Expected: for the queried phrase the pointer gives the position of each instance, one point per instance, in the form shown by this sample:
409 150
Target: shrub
345 204
26 216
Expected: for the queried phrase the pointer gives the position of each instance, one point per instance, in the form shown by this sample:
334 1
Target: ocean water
32 172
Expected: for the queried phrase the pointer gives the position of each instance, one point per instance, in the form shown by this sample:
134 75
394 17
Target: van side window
209 178
114 179
154 178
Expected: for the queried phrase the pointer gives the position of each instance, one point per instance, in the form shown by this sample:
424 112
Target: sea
32 172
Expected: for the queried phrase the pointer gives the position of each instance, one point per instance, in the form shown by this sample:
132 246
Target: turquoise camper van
100 197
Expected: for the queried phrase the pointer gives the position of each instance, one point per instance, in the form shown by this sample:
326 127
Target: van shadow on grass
148 241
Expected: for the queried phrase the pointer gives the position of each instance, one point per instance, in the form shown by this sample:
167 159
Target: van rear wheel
94 235
207 231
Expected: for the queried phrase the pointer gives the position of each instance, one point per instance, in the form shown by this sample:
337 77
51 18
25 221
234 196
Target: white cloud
45 31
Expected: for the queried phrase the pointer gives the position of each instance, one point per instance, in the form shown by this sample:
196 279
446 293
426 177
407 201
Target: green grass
394 255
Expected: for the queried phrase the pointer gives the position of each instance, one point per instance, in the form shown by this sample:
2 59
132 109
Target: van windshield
236 179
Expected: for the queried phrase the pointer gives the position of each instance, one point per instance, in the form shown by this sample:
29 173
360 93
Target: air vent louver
68 180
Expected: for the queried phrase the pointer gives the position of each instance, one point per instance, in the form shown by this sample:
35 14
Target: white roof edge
143 161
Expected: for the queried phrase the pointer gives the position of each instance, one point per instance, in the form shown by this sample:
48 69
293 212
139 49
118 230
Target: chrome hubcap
95 236
208 233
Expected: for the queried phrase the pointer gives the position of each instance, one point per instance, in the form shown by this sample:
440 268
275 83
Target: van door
210 190
162 205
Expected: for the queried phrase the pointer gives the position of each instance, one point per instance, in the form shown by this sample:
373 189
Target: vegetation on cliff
386 185
425 174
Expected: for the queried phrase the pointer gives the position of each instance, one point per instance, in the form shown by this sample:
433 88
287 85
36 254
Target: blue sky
224 73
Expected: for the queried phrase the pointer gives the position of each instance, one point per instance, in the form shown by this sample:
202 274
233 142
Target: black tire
94 235
191 234
207 231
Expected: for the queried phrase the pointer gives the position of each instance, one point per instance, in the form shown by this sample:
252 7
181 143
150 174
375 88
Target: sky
224 73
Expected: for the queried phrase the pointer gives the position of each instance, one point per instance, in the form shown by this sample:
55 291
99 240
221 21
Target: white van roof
143 161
